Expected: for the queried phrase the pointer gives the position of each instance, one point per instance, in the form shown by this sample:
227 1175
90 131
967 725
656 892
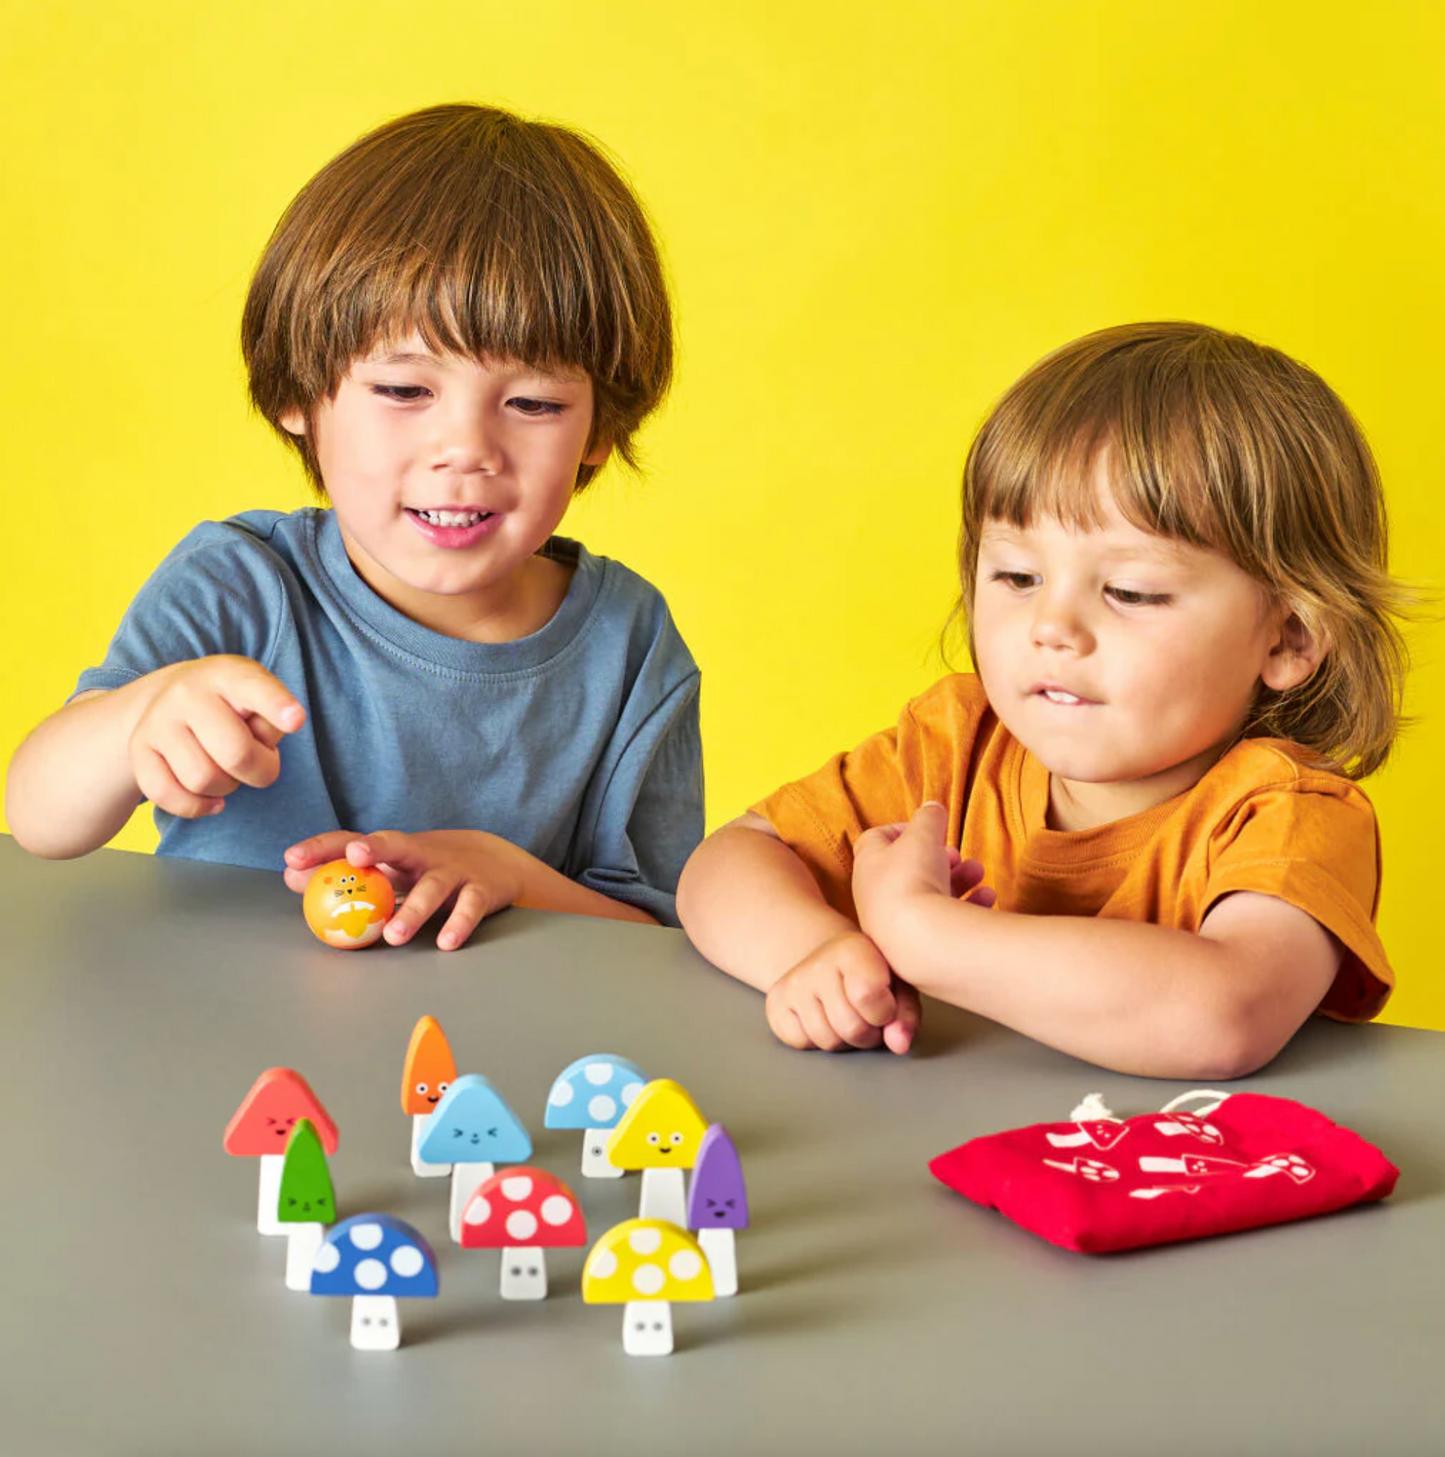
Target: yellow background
874 216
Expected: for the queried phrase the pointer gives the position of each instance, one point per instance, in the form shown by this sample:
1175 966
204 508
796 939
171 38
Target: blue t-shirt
579 743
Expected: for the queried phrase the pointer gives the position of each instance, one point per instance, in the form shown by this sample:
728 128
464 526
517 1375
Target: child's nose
471 442
1058 623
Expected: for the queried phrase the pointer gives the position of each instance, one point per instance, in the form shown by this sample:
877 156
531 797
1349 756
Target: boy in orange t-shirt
1173 560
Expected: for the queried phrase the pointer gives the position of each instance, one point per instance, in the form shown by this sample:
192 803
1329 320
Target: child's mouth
451 528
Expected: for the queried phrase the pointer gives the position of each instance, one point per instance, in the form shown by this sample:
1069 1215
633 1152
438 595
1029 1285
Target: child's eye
1019 581
524 405
1130 597
403 392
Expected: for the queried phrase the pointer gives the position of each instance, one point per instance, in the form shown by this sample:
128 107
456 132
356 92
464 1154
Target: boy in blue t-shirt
455 323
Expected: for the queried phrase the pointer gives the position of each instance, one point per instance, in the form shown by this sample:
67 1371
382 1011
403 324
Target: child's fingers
965 875
158 783
846 1021
231 745
472 907
983 895
875 838
250 689
785 1024
870 995
423 900
320 849
815 1022
898 1035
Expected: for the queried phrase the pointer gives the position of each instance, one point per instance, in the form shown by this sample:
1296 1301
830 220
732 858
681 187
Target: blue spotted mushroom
592 1094
376 1260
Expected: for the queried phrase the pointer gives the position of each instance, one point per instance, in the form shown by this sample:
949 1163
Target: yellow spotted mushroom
646 1266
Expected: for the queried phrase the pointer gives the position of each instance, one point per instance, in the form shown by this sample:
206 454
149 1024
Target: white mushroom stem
721 1250
466 1180
268 1200
664 1196
595 1163
419 1165
524 1273
302 1242
375 1324
647 1328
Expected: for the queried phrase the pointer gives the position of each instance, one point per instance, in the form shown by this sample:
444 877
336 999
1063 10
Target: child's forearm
750 905
1130 996
70 786
545 889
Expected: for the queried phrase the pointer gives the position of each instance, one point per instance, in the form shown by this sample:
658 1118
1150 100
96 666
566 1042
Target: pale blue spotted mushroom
592 1094
376 1260
473 1130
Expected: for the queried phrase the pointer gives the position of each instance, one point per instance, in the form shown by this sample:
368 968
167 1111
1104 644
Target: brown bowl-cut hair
489 235
1226 444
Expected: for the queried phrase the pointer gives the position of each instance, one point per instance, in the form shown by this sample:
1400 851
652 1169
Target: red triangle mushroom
524 1212
260 1127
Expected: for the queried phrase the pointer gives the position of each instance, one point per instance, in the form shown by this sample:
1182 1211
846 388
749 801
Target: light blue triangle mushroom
473 1130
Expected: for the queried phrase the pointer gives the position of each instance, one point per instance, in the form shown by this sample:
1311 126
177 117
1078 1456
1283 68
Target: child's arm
183 736
753 909
475 872
1138 998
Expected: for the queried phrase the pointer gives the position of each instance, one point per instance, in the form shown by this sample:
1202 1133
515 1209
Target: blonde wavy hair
490 235
1229 445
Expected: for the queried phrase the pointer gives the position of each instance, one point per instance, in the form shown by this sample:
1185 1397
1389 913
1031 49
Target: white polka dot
370 1274
557 1209
328 1257
366 1236
517 1188
629 1092
478 1211
521 1225
562 1094
645 1241
408 1261
685 1265
604 1265
648 1279
599 1074
602 1110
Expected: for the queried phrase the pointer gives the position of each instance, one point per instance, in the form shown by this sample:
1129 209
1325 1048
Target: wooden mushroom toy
660 1134
523 1212
307 1203
426 1073
474 1130
646 1266
717 1204
260 1127
376 1260
592 1094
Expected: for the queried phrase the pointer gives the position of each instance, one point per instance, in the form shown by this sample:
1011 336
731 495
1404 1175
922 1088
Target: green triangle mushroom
307 1203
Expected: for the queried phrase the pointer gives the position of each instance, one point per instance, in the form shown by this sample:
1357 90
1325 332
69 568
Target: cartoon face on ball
346 906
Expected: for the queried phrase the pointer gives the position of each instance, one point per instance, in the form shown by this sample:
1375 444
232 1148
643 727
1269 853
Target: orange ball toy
347 905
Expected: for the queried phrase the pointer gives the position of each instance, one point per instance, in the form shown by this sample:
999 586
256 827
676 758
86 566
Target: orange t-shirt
1259 820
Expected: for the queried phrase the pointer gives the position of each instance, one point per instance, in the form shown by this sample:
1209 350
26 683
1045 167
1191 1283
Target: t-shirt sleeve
210 595
882 781
1314 844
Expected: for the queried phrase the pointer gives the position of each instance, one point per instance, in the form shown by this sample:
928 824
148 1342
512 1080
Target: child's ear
293 421
1298 650
598 451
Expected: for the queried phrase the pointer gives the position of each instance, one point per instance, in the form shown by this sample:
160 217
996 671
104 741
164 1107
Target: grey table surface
142 1313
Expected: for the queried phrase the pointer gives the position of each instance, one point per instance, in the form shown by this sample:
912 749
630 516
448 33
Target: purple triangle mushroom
717 1204
375 1259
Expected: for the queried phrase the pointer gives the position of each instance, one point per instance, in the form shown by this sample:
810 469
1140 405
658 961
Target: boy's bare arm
750 905
183 736
1137 998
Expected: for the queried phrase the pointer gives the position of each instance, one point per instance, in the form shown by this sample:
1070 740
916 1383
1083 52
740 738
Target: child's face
447 474
1119 658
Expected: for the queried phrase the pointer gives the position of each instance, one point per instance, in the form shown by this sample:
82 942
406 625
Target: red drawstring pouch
1099 1183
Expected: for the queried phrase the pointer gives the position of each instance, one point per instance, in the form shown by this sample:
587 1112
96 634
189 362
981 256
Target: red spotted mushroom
524 1212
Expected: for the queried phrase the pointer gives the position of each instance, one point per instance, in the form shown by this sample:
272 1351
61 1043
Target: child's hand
473 872
843 994
213 724
895 863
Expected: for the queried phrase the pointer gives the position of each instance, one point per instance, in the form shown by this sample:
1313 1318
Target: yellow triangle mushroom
646 1265
660 1134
